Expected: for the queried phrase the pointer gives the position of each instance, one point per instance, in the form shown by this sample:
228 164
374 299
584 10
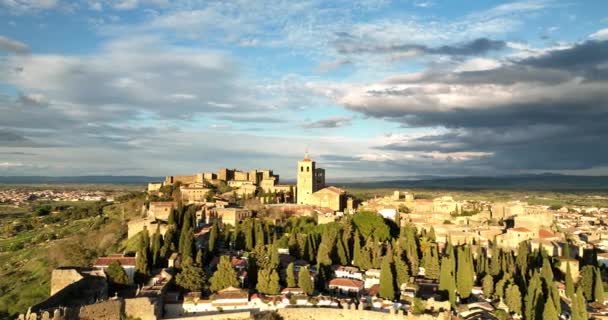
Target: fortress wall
142 308
348 314
107 310
218 316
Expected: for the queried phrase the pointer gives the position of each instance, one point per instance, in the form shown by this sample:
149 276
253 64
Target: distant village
234 243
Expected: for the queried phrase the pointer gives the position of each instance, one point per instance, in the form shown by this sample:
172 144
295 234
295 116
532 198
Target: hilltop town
238 244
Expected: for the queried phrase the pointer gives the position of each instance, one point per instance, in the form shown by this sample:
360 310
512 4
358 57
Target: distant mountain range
81 179
545 181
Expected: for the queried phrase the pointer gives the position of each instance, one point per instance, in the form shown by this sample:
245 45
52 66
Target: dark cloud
347 44
10 137
547 112
334 122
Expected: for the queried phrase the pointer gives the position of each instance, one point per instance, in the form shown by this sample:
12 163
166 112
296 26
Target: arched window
301 169
307 169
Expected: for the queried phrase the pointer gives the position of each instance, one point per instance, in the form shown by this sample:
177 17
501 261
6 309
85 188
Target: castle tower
306 184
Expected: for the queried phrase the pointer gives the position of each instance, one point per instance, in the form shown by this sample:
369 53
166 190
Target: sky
371 88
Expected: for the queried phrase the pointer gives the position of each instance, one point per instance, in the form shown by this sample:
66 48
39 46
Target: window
307 169
301 169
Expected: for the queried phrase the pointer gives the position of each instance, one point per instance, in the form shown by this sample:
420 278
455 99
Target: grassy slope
25 273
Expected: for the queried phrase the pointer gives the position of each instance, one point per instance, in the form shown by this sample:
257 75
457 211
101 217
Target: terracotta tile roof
344 282
521 229
124 261
544 233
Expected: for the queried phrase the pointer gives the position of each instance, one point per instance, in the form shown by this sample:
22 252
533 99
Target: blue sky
372 88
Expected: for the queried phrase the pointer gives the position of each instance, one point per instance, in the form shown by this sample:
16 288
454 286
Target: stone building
232 216
194 194
311 188
154 186
309 180
160 210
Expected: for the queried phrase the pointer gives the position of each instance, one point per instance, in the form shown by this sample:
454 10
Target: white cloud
478 64
27 5
600 35
125 4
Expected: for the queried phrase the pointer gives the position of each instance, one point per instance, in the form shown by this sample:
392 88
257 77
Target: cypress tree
554 294
304 281
225 275
533 296
587 281
294 248
213 236
191 277
169 243
346 241
341 251
579 306
357 250
387 279
464 274
598 287
273 282
432 269
447 283
187 245
488 286
513 298
290 277
546 271
401 270
569 282
156 246
142 266
549 311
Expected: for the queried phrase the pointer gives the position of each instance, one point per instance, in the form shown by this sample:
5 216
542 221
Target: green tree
533 297
157 243
464 274
587 281
447 283
569 282
513 299
290 277
549 311
598 287
432 268
487 283
213 236
304 281
546 271
401 270
225 275
357 250
116 274
369 223
579 306
142 264
387 278
268 281
192 277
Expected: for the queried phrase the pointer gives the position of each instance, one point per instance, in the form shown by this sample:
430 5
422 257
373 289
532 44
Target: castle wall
143 308
107 310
